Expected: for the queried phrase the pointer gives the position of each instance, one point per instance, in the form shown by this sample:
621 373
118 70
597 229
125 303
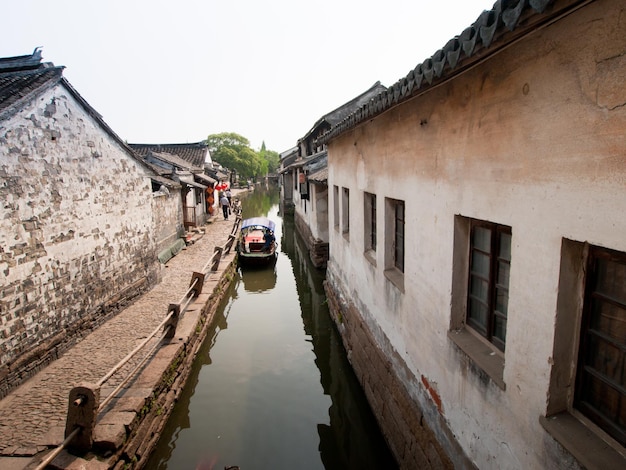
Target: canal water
271 387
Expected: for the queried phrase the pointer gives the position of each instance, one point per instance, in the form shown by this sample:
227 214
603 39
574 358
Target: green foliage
233 151
272 158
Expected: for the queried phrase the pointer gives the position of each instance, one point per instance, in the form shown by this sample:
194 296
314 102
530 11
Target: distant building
185 163
477 267
76 221
308 174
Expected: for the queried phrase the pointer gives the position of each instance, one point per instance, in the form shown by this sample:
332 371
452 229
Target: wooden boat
257 244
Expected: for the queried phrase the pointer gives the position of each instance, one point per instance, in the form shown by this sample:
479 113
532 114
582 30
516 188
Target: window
394 241
488 292
398 241
369 212
480 292
601 373
336 207
345 212
589 351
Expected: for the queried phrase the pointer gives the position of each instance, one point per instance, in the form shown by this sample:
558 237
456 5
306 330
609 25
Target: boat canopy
255 221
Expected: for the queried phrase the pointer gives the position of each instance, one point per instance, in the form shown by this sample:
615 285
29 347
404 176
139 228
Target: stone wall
76 226
399 414
318 249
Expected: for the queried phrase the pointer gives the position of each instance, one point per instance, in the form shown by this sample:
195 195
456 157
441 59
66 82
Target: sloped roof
25 77
193 154
21 62
339 114
495 29
17 85
320 176
174 160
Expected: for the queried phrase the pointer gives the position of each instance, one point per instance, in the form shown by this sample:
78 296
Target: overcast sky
177 71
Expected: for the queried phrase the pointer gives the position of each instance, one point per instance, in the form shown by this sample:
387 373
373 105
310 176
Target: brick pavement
32 417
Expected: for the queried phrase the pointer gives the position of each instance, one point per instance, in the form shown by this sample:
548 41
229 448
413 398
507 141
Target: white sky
176 71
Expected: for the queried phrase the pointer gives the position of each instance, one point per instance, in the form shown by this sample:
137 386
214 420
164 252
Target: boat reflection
258 280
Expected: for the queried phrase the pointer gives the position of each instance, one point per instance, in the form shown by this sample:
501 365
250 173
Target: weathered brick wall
394 393
76 226
318 249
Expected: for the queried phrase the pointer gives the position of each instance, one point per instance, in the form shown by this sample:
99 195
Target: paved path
32 417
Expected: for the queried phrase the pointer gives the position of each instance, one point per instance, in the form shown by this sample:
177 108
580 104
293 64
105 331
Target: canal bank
271 386
34 414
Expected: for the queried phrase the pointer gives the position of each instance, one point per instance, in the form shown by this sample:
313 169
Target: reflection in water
258 280
352 439
279 392
180 419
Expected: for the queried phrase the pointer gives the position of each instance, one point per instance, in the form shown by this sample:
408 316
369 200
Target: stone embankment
33 416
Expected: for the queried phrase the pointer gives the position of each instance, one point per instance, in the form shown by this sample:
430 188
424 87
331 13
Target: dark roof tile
14 86
507 21
195 153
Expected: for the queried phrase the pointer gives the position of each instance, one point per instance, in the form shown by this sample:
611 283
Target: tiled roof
507 21
320 176
172 159
339 114
16 85
21 62
193 154
23 77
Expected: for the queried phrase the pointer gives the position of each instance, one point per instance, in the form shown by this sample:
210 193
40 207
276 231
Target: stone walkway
32 417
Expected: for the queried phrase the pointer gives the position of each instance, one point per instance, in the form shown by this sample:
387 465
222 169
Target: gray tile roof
171 159
342 112
25 77
507 21
320 176
17 85
193 154
21 62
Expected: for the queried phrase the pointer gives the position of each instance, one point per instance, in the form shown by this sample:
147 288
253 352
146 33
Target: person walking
225 205
230 199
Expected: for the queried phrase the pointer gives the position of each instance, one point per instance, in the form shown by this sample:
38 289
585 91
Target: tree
233 151
272 158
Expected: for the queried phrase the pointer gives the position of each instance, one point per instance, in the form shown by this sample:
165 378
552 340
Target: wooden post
216 261
197 289
172 323
82 411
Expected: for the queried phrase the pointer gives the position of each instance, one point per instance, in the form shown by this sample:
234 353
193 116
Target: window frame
483 358
494 286
369 224
345 212
395 241
591 330
562 420
336 207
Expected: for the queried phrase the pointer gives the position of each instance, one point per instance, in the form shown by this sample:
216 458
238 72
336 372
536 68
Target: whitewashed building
477 265
308 174
76 220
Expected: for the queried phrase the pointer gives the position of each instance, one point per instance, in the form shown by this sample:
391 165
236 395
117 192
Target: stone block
109 437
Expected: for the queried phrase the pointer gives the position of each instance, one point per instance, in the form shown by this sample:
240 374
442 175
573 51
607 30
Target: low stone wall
399 416
173 362
318 249
32 361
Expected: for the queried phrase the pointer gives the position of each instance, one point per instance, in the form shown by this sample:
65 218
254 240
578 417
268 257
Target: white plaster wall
75 223
168 216
314 211
533 139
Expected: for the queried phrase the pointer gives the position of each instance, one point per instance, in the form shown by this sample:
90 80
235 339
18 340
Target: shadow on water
276 391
